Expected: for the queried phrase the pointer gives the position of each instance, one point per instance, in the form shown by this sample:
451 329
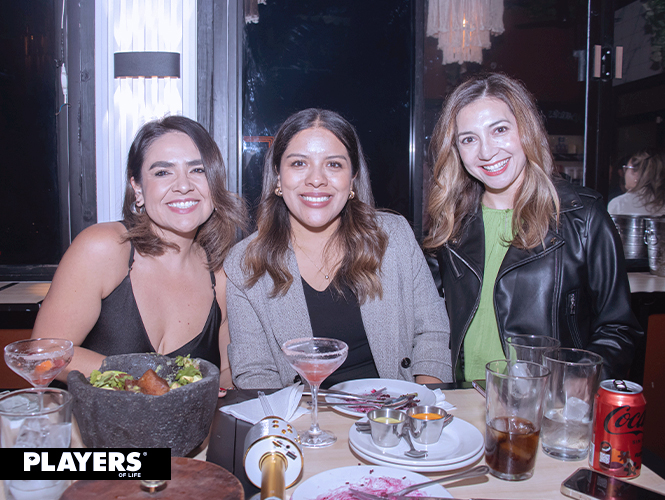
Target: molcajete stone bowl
179 419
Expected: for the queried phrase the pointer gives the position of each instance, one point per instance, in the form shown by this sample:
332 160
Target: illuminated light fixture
146 64
463 27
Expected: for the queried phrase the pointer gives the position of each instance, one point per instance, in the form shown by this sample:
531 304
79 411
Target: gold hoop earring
278 191
352 195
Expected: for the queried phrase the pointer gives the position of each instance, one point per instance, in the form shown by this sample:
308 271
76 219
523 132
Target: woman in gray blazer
325 263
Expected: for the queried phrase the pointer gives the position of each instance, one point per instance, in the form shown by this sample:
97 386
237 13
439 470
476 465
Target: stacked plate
393 389
461 444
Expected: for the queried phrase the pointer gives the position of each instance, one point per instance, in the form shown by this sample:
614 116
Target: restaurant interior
78 79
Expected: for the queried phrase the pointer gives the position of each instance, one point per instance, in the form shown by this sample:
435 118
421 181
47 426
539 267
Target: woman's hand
426 379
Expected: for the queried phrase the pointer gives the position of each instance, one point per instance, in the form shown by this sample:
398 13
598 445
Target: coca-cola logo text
622 421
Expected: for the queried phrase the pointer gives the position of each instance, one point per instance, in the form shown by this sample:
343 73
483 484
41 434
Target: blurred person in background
644 175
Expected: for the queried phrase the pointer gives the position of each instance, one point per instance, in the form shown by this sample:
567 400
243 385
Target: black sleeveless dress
120 329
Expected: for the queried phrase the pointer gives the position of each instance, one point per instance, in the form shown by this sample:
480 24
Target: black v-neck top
120 329
338 316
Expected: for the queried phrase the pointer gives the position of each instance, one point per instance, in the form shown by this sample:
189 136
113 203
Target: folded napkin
284 403
441 401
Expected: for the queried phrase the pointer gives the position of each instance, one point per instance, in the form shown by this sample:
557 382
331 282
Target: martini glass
314 358
39 361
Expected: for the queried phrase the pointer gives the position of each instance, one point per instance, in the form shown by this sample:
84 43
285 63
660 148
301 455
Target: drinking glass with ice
36 418
568 406
514 411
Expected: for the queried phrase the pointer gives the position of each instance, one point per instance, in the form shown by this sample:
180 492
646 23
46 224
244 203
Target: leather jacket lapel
470 247
516 257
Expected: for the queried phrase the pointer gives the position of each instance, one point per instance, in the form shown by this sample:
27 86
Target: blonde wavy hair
454 195
650 187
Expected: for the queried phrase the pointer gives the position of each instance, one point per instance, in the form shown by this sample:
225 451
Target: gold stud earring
352 195
278 191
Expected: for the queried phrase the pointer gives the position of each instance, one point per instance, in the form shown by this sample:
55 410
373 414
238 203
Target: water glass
514 411
529 347
568 410
35 418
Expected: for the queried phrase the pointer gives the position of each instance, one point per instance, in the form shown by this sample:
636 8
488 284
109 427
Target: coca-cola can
618 428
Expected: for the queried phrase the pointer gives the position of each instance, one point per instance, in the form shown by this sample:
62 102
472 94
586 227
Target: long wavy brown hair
650 187
454 194
218 234
359 239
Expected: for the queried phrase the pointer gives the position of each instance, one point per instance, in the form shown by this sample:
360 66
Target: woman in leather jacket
519 250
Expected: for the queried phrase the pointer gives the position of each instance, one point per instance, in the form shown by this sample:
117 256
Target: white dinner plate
394 388
460 441
422 468
334 484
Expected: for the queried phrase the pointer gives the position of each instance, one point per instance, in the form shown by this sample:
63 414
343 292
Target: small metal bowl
386 427
427 430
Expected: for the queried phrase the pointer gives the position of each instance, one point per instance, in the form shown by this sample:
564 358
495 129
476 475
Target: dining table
226 448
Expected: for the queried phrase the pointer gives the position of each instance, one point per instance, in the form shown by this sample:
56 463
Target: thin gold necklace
325 275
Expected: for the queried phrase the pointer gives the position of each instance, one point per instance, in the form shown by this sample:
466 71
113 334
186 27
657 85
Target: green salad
114 380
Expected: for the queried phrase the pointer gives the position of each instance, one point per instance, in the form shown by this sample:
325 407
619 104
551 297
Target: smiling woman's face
315 175
174 188
489 144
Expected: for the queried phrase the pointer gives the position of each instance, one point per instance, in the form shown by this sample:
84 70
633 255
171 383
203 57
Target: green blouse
482 343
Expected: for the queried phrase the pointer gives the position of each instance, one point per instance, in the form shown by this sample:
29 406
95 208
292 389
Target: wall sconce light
146 64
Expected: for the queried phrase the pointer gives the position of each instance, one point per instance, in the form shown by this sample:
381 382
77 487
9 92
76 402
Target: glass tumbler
514 411
568 412
36 418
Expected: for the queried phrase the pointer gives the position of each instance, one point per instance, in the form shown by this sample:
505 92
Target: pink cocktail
315 372
39 361
315 358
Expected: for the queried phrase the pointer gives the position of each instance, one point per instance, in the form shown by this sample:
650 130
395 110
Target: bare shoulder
98 252
93 266
102 239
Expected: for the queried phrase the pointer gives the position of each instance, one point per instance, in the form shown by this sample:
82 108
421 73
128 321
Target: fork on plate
344 395
481 470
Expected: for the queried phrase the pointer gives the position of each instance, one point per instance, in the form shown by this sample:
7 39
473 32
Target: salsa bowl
179 419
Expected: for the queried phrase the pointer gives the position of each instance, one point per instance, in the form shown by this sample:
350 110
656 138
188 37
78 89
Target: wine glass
314 358
39 361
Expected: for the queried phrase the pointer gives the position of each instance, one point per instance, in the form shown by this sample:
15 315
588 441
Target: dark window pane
29 200
349 56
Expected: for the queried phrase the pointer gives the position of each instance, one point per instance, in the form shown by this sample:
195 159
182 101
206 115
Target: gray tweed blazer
408 329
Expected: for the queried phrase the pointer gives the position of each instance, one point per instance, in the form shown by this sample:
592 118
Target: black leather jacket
575 288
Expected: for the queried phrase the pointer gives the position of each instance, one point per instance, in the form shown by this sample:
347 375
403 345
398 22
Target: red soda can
618 429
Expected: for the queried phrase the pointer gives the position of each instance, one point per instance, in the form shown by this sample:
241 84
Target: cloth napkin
441 401
284 403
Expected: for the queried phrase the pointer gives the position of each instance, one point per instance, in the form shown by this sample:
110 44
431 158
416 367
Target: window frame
75 131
